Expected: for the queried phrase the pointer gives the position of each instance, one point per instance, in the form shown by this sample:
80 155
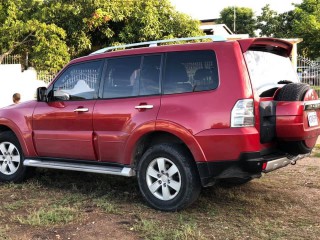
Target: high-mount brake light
242 114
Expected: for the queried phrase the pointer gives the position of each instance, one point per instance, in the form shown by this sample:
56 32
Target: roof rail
214 38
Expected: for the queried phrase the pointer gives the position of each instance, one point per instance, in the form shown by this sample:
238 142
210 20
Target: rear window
267 70
190 71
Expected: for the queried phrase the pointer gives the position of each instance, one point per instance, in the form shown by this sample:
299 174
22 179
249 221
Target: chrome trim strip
144 107
276 164
311 105
81 110
282 162
127 172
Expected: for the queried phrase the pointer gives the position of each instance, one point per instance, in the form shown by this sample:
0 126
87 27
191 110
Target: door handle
81 109
144 107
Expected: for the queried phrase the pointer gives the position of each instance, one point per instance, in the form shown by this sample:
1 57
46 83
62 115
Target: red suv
179 117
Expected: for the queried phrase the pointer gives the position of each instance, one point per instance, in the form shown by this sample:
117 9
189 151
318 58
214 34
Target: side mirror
41 94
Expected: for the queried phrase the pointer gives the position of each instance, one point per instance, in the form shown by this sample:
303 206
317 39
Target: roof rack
214 38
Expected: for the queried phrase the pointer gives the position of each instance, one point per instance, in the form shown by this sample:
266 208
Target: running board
81 167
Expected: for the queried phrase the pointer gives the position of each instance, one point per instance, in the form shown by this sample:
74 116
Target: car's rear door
129 105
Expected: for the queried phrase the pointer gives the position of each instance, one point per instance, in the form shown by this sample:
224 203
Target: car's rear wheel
167 177
293 92
11 159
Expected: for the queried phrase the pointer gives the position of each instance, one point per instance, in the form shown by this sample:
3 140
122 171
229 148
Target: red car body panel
60 132
241 140
292 121
18 118
114 120
111 129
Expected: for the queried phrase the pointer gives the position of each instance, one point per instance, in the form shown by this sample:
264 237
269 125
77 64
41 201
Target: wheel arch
168 133
25 139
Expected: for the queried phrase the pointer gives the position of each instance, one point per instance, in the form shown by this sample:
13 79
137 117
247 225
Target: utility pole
234 19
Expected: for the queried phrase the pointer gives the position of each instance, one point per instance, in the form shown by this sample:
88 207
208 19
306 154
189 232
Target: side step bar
81 167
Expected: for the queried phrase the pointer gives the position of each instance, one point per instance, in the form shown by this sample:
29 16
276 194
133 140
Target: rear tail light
264 166
242 114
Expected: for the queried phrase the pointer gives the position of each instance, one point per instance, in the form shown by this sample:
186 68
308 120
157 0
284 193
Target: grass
157 230
51 215
14 205
3 235
281 205
317 88
316 151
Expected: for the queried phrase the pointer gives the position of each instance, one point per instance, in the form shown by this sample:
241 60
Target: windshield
267 70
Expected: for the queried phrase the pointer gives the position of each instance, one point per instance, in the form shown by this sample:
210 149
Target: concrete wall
13 80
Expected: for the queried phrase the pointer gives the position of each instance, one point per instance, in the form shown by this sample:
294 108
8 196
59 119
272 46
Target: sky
208 9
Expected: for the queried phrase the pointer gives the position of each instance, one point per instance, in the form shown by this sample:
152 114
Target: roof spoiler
273 45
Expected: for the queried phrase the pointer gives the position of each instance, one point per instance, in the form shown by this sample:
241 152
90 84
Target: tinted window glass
190 71
121 77
149 76
78 82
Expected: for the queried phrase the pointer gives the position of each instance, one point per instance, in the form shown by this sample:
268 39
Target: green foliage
306 25
53 30
245 21
303 22
272 24
21 32
268 22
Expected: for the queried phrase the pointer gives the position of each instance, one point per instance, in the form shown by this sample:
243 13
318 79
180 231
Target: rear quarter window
190 71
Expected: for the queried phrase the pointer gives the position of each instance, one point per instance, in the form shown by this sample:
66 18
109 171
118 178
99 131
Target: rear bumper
248 165
282 162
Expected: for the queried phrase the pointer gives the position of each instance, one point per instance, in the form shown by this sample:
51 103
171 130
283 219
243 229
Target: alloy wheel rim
163 179
9 158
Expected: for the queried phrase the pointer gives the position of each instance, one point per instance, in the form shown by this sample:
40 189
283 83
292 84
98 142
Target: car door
62 127
130 103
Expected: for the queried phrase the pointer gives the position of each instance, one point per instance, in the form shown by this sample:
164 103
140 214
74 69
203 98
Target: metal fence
89 76
45 76
11 59
309 71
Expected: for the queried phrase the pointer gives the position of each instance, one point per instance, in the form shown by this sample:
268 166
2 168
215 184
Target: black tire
179 161
232 182
11 159
293 92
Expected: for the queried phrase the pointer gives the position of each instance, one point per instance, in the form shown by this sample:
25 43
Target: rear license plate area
312 119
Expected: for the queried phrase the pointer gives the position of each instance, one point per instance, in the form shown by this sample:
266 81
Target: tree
268 22
244 19
306 25
22 33
53 30
95 24
272 24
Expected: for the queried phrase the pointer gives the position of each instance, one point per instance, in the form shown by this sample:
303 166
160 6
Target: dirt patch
64 205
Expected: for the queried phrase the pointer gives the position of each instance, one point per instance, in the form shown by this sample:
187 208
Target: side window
78 82
121 77
190 71
150 75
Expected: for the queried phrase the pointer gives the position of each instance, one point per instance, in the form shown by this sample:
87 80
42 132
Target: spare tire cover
294 92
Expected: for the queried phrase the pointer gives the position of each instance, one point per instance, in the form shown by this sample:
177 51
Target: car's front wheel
167 177
11 159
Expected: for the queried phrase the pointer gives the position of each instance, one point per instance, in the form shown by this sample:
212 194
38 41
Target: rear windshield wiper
284 82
